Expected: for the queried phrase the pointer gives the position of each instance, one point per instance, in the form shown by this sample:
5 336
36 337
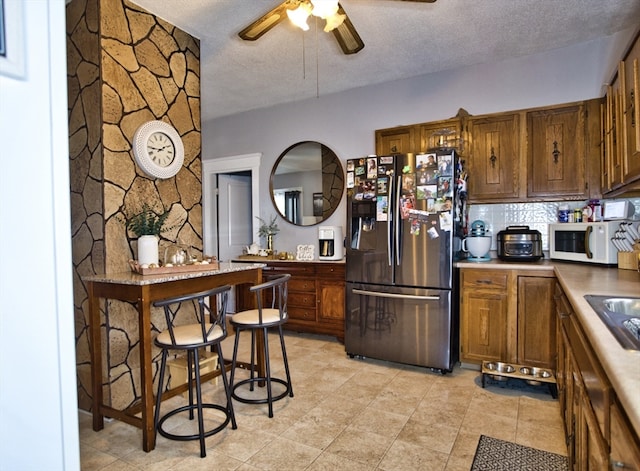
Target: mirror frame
333 181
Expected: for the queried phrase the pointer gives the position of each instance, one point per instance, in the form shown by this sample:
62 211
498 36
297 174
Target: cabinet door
556 152
493 160
631 116
331 293
592 450
331 300
447 133
625 450
483 326
536 322
614 142
400 140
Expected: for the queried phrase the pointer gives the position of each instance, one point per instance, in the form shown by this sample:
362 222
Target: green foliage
268 229
148 222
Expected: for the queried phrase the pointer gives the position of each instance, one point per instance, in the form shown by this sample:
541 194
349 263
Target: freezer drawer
404 325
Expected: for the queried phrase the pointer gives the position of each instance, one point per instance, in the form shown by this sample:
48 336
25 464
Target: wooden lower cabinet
536 321
316 296
483 316
598 434
508 315
625 449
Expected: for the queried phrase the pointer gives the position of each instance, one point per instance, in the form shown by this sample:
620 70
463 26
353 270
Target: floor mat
497 455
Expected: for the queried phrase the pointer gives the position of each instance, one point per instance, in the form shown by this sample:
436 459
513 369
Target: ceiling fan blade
265 22
348 38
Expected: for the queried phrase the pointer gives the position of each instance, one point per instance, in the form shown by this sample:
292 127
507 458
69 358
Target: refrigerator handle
390 227
398 222
378 294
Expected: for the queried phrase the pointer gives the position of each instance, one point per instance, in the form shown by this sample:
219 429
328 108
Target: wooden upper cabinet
556 153
440 134
614 133
630 88
493 158
400 140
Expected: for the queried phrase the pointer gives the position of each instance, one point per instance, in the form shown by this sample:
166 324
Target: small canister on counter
563 213
577 215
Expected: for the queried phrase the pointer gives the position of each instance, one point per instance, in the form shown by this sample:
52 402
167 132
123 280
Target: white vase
147 250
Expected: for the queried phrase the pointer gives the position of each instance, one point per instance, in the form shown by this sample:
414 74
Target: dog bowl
499 367
535 373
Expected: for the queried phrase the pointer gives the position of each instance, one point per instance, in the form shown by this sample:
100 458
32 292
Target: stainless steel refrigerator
405 218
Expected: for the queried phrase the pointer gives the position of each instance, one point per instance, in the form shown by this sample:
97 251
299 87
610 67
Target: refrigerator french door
401 220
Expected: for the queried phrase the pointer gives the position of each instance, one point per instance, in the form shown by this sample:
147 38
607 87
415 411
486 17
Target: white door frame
210 168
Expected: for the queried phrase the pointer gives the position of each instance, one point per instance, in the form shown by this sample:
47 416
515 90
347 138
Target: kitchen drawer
302 299
301 284
295 269
301 314
485 279
331 271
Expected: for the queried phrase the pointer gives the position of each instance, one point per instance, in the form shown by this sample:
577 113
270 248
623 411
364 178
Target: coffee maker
331 243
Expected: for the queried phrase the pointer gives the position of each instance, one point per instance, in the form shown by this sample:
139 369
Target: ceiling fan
298 11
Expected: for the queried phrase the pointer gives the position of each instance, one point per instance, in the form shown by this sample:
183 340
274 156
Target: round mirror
307 183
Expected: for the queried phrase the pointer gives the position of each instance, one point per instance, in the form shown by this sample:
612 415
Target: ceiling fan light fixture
299 16
334 21
324 8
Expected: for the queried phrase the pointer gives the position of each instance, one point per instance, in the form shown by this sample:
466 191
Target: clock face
158 149
161 149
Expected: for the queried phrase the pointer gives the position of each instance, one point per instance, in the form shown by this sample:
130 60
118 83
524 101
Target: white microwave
588 242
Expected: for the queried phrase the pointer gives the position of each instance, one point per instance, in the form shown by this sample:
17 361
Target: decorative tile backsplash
535 215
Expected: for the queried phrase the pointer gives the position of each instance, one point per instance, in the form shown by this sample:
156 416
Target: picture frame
12 60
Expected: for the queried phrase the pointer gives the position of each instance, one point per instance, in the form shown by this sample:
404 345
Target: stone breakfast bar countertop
577 280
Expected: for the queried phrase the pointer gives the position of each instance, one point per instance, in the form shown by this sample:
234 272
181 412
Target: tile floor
347 414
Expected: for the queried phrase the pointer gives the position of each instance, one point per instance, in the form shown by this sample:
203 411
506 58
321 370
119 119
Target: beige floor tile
404 456
483 422
542 437
281 453
430 435
314 431
330 462
346 414
93 459
380 421
357 445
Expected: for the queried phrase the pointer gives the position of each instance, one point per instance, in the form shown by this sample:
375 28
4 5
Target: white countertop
622 366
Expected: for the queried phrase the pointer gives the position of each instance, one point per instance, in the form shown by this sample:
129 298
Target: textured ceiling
402 39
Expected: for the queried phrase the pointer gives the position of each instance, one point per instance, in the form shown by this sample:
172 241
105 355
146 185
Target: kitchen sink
621 315
627 306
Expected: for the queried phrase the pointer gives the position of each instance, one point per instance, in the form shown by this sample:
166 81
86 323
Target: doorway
230 202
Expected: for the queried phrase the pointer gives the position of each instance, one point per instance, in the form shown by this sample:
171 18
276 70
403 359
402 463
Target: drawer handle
485 282
619 465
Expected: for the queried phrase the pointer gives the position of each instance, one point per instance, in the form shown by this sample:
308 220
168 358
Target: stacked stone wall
125 67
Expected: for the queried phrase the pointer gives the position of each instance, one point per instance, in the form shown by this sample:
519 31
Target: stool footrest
251 381
171 436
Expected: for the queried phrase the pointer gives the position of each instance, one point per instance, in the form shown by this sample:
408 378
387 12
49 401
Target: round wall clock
158 149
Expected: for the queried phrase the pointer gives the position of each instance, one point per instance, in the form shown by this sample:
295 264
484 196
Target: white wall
345 122
38 404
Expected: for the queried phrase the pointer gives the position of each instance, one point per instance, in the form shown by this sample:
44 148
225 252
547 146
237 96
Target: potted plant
268 230
148 225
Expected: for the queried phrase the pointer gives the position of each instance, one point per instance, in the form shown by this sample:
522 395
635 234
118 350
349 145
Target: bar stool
274 294
209 331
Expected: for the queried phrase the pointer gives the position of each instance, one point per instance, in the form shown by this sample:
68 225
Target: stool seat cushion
190 334
252 317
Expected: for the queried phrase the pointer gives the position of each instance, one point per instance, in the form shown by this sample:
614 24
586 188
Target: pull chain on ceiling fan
298 11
